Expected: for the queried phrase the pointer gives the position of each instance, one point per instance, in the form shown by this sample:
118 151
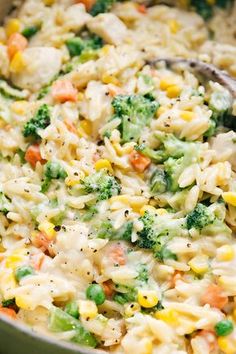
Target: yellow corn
110 79
167 82
103 163
169 316
71 182
131 309
174 26
105 49
225 253
230 198
15 258
19 107
147 298
87 309
160 111
12 26
226 345
161 211
148 347
148 208
22 303
199 264
173 91
125 149
48 2
47 228
80 96
137 203
86 126
187 116
17 64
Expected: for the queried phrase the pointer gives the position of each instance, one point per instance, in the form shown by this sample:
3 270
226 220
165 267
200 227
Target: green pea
224 328
95 293
30 31
23 271
72 309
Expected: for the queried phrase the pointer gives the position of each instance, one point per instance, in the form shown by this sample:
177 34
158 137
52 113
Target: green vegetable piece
165 253
203 8
52 170
8 303
95 293
23 271
199 217
30 31
60 321
158 182
40 120
79 46
135 112
101 183
72 309
224 328
142 273
123 298
101 6
89 213
5 204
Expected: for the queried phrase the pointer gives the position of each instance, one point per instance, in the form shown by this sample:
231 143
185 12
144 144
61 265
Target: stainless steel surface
5 6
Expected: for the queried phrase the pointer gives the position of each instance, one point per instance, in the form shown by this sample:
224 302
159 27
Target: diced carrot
139 161
142 8
41 241
210 338
63 91
214 296
8 312
70 126
115 90
108 288
37 260
117 254
87 3
33 155
16 42
176 276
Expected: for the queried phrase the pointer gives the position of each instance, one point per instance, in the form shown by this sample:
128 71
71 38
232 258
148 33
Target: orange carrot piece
33 155
142 9
16 42
70 126
108 288
8 312
41 241
63 91
214 296
87 3
117 254
139 161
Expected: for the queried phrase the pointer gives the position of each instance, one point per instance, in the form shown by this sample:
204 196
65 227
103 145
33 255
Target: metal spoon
209 71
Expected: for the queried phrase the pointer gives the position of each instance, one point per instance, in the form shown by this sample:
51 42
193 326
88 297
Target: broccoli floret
135 112
142 273
101 6
89 213
203 8
199 217
158 231
79 46
165 253
128 296
30 31
173 169
104 185
40 120
53 170
158 182
106 231
156 156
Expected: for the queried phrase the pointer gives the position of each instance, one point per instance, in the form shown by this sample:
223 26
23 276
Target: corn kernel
22 303
110 79
230 198
174 26
19 107
173 91
161 211
86 126
80 96
167 82
225 253
87 309
199 264
12 26
48 2
15 258
125 149
71 182
226 345
148 347
169 316
103 163
47 228
17 63
131 309
160 111
148 208
187 116
147 298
